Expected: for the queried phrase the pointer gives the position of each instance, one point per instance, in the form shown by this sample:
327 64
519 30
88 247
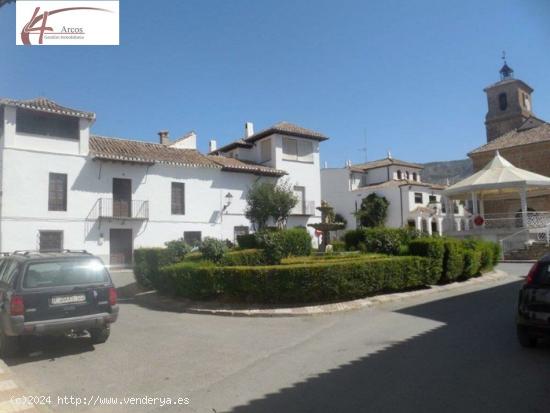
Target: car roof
41 255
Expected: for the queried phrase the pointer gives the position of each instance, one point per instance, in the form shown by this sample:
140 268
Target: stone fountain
327 224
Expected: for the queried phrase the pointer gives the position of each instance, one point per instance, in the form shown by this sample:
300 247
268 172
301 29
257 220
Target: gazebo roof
497 177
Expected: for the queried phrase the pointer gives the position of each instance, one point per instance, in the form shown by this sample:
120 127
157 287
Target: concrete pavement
452 352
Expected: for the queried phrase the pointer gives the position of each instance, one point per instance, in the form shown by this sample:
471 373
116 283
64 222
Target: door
122 197
120 246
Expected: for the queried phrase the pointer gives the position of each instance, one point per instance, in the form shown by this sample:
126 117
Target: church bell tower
509 102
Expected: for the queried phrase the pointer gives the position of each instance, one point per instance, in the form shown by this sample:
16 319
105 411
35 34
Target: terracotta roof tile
237 165
520 136
46 105
384 162
287 128
114 149
398 183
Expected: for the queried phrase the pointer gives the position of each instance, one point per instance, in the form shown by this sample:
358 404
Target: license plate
68 299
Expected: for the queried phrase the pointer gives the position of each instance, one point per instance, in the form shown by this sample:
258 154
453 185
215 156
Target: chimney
248 129
163 135
212 145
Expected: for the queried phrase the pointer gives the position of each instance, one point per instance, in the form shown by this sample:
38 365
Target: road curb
493 276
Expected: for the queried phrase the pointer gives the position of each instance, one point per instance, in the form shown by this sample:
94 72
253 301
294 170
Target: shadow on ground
470 364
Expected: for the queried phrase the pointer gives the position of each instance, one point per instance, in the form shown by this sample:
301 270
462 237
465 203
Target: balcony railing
117 209
505 221
307 208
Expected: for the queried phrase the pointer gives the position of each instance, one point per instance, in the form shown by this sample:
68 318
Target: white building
412 202
62 187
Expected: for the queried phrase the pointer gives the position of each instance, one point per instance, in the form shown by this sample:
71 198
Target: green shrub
497 253
490 252
147 263
453 260
284 243
472 262
384 240
212 249
431 248
296 242
352 238
338 246
380 239
177 250
322 281
244 257
247 241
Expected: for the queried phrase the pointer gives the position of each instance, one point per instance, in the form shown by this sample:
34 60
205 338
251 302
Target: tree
268 200
373 211
282 203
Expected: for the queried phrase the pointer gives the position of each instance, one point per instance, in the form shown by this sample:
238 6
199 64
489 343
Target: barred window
178 198
57 193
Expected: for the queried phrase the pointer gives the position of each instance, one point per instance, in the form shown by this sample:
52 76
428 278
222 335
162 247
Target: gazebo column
475 212
523 199
482 209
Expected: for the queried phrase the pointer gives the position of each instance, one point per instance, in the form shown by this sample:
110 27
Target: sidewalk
11 389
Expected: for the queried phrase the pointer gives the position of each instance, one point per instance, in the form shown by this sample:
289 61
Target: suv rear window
65 272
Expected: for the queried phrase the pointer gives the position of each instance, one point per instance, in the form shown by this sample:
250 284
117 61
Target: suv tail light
17 306
532 273
112 296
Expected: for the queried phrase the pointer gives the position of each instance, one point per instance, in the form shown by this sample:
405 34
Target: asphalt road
453 352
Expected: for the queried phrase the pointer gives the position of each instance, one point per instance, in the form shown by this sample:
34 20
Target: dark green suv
54 293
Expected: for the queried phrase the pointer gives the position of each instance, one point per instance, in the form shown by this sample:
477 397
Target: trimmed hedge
380 239
244 257
453 260
147 264
457 258
247 241
431 248
472 263
304 283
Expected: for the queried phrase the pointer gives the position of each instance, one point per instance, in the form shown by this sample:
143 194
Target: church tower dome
509 103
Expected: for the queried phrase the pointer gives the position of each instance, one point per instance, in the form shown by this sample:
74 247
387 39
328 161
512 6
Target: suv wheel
524 338
9 345
100 335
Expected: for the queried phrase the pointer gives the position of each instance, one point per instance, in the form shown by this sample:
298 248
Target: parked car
533 319
54 293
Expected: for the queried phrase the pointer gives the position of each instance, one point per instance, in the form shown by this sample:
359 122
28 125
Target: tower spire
506 72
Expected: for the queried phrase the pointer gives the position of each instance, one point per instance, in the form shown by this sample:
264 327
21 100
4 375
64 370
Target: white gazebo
499 179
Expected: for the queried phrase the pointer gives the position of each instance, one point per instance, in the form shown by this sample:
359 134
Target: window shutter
57 196
178 198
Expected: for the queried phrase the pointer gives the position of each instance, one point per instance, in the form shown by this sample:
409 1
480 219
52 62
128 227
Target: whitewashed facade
125 194
412 202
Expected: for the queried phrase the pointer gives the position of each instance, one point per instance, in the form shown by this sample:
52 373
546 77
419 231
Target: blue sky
407 74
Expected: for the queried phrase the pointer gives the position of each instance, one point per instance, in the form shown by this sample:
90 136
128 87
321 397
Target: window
51 241
399 175
418 197
305 151
239 230
178 198
57 194
192 237
415 176
407 176
265 150
432 199
502 101
9 271
290 149
48 124
61 273
455 207
300 194
443 208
